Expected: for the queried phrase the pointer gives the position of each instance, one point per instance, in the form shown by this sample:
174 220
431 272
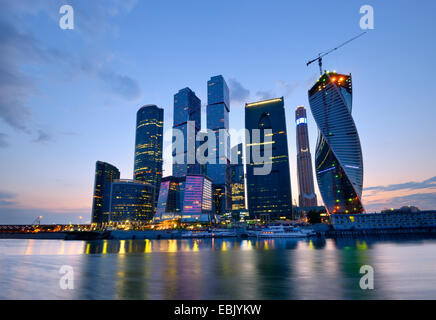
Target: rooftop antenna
321 55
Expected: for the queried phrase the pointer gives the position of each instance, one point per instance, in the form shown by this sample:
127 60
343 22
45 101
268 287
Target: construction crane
37 221
321 55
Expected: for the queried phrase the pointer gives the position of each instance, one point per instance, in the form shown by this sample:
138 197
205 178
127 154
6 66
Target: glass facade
218 108
338 158
148 145
188 198
307 196
129 200
197 203
237 180
104 174
268 195
170 202
187 107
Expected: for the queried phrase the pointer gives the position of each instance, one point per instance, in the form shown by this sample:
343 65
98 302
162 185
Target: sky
69 97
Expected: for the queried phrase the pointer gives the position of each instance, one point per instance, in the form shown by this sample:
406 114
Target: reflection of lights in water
104 247
224 246
311 246
361 246
246 245
172 245
265 245
88 248
130 246
147 246
29 247
62 250
122 246
195 246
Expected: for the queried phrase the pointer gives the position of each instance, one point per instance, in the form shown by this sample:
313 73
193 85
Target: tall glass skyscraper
129 200
338 159
237 180
105 173
268 195
148 145
307 196
218 108
187 107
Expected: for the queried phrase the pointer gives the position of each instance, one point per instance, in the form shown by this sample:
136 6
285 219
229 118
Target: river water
404 268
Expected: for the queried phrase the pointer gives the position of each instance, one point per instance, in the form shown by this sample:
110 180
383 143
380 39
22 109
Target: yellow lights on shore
254 104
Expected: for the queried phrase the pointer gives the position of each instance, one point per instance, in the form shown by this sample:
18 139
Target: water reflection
217 268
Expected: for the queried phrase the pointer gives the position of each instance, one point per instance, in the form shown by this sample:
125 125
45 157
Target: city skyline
53 141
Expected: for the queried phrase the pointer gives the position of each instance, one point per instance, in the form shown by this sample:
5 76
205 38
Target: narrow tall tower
187 108
148 145
338 158
218 108
307 196
237 179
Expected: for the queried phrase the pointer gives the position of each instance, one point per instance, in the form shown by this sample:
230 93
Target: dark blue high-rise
269 196
187 108
218 108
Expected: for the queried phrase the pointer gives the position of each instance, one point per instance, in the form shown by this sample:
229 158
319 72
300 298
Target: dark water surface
218 269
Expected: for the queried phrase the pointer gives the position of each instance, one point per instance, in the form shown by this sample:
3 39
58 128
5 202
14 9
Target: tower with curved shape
338 158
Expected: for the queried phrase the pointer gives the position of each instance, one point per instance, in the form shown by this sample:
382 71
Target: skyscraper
338 158
307 196
129 200
268 195
104 174
218 108
237 180
148 145
187 107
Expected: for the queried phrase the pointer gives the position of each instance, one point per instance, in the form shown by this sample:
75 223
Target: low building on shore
394 219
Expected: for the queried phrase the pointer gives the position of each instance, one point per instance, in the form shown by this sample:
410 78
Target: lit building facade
105 173
386 220
338 158
218 109
268 195
187 107
148 145
129 200
307 196
237 180
187 198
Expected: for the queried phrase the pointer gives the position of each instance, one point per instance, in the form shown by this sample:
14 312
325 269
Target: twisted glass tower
338 158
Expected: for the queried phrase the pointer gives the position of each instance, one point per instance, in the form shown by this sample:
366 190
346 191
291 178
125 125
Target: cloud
19 49
429 183
124 86
15 86
7 198
424 201
238 93
264 95
43 137
3 142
